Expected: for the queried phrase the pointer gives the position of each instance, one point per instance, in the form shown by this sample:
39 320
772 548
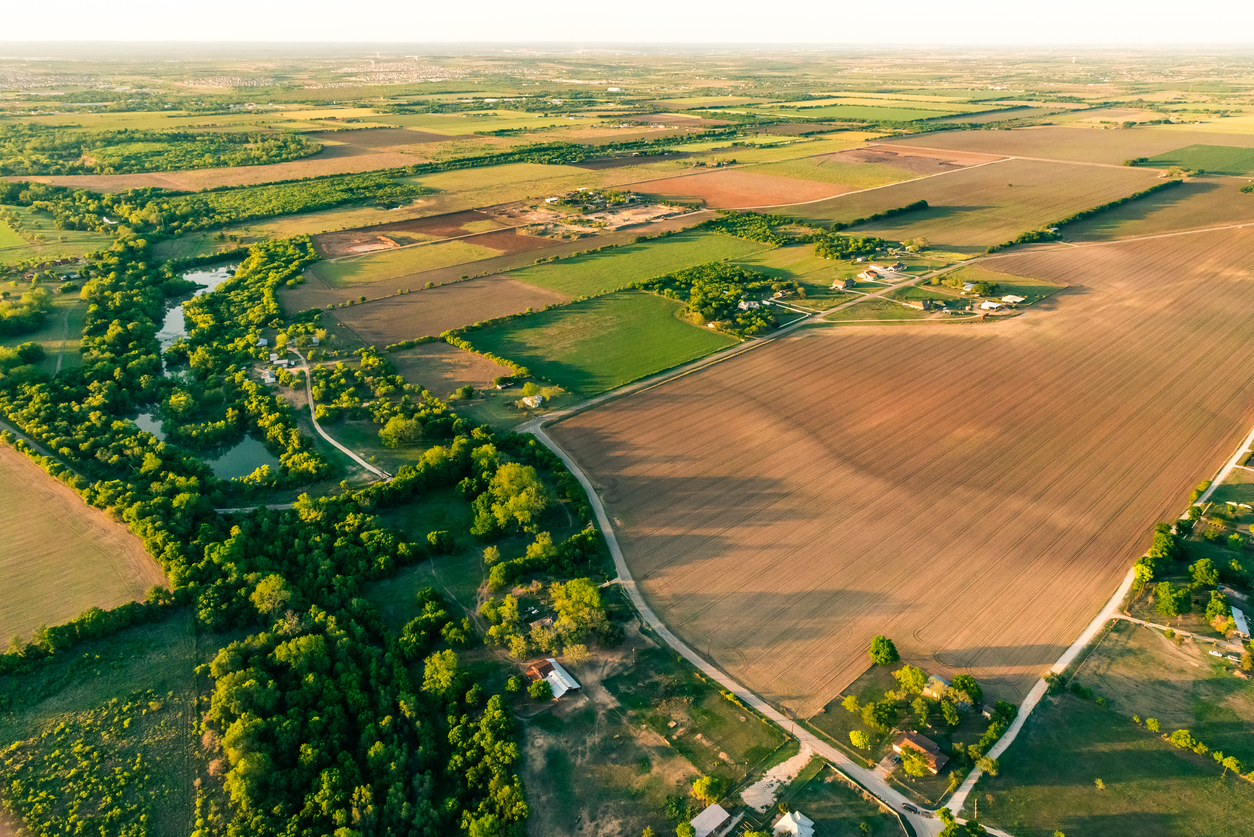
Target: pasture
443 368
831 169
620 267
1047 781
598 344
59 556
782 507
350 271
974 208
60 335
39 239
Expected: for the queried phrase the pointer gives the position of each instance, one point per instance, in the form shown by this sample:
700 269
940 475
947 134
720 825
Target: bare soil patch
377 237
975 493
443 368
436 310
735 189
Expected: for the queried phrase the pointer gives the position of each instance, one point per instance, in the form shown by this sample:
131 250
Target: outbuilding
936 687
1243 625
558 678
989 305
1013 299
708 821
533 401
795 823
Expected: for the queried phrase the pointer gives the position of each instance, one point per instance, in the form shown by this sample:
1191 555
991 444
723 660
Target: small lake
249 454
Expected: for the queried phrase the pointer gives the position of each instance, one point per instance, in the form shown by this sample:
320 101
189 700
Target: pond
247 455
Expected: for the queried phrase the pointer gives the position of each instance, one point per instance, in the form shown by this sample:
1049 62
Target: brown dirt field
1198 204
735 189
377 138
917 162
975 493
1079 144
443 368
436 310
59 556
315 293
450 225
972 208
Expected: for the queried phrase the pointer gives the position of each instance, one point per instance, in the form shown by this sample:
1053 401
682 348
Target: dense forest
32 149
324 719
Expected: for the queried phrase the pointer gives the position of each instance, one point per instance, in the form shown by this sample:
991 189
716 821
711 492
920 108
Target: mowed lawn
1048 780
620 267
598 344
1213 159
59 556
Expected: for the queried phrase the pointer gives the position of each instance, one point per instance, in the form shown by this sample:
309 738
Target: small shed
267 377
273 357
263 342
1243 625
313 341
936 760
936 687
558 678
796 823
708 821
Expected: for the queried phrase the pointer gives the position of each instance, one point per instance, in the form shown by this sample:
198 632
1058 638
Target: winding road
304 365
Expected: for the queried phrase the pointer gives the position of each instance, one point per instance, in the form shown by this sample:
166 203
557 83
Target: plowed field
737 189
976 493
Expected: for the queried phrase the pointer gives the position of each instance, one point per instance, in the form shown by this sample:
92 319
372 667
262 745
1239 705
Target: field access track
974 492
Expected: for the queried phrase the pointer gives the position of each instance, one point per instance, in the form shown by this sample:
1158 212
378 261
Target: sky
865 22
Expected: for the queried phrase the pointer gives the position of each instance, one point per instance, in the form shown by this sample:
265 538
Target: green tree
1170 601
911 679
881 714
883 652
439 673
860 739
851 703
540 690
1204 573
914 762
988 765
966 688
400 431
708 789
519 495
685 829
1151 724
1217 607
271 595
950 714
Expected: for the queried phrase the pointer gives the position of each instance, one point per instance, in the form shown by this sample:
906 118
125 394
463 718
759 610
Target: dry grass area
1076 143
443 368
1198 204
738 189
59 556
400 233
974 493
436 310
973 208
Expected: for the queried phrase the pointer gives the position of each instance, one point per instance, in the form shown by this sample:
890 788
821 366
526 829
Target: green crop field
1048 780
1213 159
620 267
598 344
400 262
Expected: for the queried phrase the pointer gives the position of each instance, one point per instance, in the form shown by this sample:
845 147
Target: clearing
443 368
595 345
59 556
781 508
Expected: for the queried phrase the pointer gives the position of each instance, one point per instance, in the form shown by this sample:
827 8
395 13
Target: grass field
976 207
598 344
388 264
55 243
62 326
879 309
443 368
1213 159
9 237
1047 780
826 170
1032 290
1200 203
59 556
612 270
85 694
843 483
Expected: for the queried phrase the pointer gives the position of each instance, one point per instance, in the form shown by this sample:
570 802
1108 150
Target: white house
558 678
708 821
796 823
749 304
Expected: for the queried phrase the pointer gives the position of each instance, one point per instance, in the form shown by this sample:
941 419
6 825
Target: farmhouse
706 822
936 760
843 283
869 276
533 401
749 304
795 823
1243 626
936 687
558 678
542 622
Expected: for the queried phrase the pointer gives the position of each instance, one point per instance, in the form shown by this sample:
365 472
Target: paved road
381 474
